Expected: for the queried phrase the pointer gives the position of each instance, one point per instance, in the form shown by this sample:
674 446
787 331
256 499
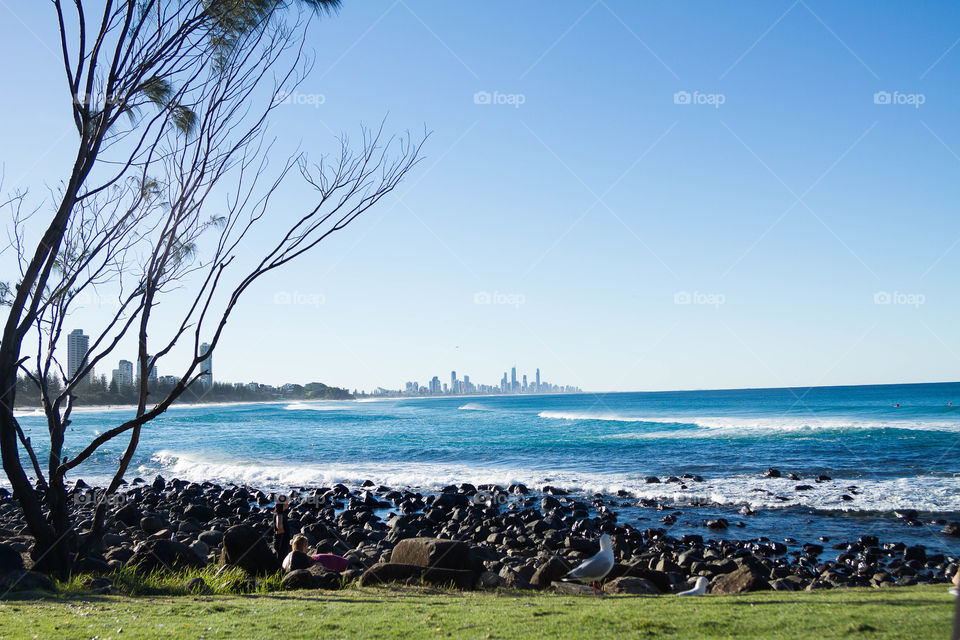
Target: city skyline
464 386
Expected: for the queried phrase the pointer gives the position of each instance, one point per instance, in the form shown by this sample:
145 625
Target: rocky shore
466 536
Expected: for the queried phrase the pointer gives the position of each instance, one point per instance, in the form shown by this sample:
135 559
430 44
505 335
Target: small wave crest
474 406
726 426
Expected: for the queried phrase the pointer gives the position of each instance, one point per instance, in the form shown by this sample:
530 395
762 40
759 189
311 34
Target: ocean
884 457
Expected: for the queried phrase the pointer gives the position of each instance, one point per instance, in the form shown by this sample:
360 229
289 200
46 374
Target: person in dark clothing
281 529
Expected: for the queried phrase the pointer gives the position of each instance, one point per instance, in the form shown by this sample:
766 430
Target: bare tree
171 102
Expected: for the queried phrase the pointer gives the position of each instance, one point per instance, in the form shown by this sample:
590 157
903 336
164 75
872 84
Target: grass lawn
409 612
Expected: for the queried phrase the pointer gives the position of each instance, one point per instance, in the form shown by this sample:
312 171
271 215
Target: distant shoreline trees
100 393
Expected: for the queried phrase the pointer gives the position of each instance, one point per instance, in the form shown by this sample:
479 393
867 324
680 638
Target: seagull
595 569
699 588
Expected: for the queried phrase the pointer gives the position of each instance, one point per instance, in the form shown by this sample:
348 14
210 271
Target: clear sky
628 195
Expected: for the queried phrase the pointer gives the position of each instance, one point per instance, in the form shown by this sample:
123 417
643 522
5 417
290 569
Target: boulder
151 524
299 579
952 529
10 559
129 514
212 537
432 552
634 586
198 586
154 555
415 574
24 580
244 547
489 580
200 513
740 581
552 569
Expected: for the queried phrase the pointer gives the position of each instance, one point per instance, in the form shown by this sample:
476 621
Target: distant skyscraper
513 379
77 346
125 374
206 366
435 385
503 383
524 383
538 380
151 375
453 382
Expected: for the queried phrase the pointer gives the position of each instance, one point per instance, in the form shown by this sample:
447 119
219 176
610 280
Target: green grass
221 581
412 612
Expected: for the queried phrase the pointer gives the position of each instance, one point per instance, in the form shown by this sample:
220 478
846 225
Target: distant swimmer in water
897 405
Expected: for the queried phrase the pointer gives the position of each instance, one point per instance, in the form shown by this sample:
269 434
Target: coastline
520 537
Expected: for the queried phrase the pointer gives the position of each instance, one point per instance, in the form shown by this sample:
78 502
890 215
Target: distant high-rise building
467 387
77 346
513 379
435 385
538 380
151 375
453 382
524 383
206 365
124 375
503 383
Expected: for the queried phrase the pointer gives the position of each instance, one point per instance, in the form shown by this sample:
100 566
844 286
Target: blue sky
625 240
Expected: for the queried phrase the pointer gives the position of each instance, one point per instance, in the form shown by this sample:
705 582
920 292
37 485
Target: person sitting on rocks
281 529
299 556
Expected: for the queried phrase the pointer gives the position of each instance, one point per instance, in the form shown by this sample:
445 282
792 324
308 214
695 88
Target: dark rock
630 585
432 552
415 574
718 524
164 555
200 513
740 581
198 586
159 484
10 559
152 524
129 514
24 580
771 473
212 537
552 569
952 529
245 548
803 487
299 579
489 580
652 480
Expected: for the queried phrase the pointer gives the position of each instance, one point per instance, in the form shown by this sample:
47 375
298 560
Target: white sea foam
307 406
473 406
707 426
924 493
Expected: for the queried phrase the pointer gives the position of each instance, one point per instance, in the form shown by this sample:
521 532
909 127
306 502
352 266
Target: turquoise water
902 457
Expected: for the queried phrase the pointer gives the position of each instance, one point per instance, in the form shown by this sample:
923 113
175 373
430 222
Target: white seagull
595 569
699 588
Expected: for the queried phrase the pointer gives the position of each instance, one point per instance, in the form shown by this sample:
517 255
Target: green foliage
220 580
